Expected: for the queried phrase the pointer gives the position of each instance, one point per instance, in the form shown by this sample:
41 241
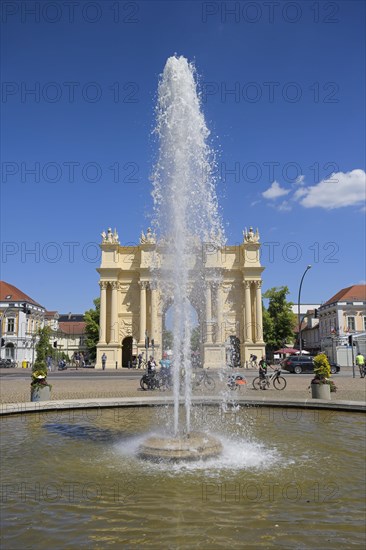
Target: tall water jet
186 215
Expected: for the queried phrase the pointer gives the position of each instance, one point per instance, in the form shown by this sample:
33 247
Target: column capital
216 284
144 285
114 284
103 285
258 284
247 284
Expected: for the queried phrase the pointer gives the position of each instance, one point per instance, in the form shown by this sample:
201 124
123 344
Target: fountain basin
195 446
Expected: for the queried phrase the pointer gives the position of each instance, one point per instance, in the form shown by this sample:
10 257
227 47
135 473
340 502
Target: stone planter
41 393
320 391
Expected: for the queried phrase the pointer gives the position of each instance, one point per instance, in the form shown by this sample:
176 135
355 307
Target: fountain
272 477
186 217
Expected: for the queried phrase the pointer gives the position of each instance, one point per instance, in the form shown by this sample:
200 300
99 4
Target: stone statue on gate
110 237
250 236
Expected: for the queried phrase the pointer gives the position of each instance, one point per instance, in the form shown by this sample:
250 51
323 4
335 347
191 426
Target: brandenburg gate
132 305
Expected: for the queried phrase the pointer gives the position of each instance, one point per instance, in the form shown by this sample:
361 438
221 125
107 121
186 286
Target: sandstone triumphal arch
132 305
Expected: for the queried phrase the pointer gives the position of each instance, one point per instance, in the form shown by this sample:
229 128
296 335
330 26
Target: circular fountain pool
285 478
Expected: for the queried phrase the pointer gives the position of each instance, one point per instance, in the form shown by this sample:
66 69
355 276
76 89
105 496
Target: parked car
304 364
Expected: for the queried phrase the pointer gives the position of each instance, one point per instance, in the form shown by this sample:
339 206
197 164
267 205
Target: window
9 351
11 324
351 325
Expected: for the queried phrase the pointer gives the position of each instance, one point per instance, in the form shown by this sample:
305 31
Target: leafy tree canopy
92 317
196 339
279 320
167 339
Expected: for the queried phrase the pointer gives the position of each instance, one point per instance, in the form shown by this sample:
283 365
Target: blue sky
283 95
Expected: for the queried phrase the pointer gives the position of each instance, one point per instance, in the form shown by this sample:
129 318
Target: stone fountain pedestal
194 446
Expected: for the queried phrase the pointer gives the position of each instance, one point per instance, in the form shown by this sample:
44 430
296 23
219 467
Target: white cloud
340 190
300 180
285 206
300 193
275 191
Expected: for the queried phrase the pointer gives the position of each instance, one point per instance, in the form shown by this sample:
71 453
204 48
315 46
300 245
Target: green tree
196 339
92 317
43 349
279 320
167 339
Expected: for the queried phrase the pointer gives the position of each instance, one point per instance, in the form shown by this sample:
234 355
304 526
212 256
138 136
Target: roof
10 293
72 328
71 317
51 314
354 293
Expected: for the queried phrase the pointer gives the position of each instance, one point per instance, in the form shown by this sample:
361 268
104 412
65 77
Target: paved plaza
90 384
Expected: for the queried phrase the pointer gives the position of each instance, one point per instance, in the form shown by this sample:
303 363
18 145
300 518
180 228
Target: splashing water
185 210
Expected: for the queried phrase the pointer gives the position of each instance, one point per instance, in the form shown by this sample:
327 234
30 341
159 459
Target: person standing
104 360
49 363
165 371
360 362
263 372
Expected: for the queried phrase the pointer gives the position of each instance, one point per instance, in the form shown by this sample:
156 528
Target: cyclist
262 371
151 365
253 360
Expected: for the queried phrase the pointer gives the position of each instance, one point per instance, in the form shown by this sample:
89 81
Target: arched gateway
132 305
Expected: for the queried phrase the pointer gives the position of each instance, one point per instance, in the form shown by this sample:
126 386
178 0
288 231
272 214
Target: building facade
21 319
343 315
70 337
133 305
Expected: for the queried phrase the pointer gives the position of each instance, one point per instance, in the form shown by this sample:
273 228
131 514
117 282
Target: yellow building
132 304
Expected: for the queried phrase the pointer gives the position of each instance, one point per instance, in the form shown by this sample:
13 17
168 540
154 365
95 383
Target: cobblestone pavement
17 389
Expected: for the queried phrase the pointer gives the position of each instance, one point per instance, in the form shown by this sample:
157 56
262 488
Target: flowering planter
41 394
320 391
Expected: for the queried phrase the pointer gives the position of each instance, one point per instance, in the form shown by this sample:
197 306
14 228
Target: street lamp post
298 307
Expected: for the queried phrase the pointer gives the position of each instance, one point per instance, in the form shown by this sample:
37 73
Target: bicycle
150 381
278 381
235 381
203 378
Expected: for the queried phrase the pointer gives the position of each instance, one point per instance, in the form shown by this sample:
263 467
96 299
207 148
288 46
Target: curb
7 409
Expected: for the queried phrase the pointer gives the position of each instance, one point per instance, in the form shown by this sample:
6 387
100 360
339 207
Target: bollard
116 364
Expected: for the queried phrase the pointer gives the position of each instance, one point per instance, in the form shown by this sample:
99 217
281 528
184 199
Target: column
103 312
219 306
154 313
248 312
114 313
258 312
208 314
142 311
